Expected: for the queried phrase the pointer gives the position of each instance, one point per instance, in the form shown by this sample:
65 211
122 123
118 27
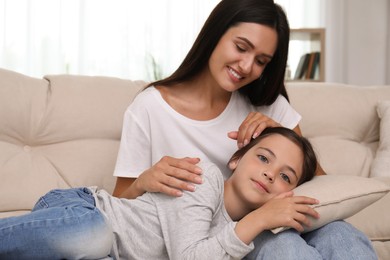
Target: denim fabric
335 241
64 224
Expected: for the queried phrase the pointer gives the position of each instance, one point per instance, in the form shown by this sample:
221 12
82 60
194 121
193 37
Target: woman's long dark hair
309 166
227 13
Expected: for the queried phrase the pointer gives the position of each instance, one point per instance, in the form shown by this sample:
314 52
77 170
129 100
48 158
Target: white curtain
148 39
303 13
123 38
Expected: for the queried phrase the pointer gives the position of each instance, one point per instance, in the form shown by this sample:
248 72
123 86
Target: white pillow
381 164
340 197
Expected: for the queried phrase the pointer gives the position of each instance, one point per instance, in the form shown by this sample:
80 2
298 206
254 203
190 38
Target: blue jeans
64 224
337 240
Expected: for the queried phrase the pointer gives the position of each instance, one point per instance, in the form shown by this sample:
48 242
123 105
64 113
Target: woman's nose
245 65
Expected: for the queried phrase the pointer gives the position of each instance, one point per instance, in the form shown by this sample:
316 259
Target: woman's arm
122 188
136 168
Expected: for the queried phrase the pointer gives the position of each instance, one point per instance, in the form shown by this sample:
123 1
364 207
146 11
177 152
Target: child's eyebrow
287 166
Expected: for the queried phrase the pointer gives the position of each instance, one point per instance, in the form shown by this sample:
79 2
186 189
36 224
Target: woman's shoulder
144 100
145 94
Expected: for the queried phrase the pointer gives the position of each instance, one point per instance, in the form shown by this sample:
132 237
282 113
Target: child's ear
233 164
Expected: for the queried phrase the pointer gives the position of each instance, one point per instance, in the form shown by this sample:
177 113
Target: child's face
271 167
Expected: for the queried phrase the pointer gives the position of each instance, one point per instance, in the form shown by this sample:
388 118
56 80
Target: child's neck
234 206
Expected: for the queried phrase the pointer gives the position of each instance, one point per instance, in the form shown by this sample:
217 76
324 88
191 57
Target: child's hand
286 210
283 210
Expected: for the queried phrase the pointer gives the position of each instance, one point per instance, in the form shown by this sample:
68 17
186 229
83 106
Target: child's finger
307 210
305 200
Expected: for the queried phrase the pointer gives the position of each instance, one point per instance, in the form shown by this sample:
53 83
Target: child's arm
196 226
283 210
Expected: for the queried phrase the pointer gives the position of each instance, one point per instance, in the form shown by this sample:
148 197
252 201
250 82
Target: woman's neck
196 99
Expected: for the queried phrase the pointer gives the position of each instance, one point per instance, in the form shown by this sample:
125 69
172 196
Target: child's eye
285 177
263 158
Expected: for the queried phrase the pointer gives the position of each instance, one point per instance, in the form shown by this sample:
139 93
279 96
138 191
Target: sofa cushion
58 132
341 122
340 196
381 163
374 219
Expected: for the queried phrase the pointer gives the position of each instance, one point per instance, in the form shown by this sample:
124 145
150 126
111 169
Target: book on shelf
308 66
302 65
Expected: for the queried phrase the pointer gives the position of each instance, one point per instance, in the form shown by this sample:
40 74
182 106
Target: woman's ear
233 163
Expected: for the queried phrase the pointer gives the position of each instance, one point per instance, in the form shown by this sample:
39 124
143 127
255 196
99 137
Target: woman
230 85
218 221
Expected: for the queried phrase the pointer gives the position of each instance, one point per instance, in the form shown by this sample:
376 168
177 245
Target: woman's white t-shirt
152 129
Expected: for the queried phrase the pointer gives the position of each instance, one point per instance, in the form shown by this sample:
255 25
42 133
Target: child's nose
269 176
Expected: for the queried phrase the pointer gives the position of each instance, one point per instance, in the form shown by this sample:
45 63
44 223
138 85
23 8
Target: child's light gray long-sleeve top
157 226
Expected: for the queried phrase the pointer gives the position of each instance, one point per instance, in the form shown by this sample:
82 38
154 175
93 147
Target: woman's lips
234 75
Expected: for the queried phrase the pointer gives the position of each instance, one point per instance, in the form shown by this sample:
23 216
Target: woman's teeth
235 74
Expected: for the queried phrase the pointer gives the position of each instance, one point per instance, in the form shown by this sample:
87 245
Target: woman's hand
170 176
251 127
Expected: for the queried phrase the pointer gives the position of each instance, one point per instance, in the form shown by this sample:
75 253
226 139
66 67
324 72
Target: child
217 221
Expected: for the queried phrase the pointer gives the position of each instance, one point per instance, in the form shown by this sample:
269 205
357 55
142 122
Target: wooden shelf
309 43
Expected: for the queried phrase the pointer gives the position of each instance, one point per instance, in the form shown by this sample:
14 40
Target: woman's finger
171 176
252 126
263 125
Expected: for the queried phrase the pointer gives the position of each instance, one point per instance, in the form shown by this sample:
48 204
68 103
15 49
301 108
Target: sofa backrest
58 132
63 131
341 121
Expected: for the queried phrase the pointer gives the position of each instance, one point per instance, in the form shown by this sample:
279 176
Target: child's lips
261 186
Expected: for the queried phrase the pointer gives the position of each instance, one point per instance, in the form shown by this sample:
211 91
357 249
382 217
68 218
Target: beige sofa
63 131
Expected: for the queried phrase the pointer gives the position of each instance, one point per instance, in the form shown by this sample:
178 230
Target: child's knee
91 241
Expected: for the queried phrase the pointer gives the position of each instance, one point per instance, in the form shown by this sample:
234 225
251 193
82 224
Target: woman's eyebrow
253 46
273 155
247 41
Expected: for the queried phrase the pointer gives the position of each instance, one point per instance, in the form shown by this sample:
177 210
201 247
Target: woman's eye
263 158
240 49
260 62
285 177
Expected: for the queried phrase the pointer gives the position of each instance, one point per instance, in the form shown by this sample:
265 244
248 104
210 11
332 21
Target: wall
388 43
357 41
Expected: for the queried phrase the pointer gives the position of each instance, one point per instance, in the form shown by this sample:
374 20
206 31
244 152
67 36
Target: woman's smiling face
272 166
242 54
